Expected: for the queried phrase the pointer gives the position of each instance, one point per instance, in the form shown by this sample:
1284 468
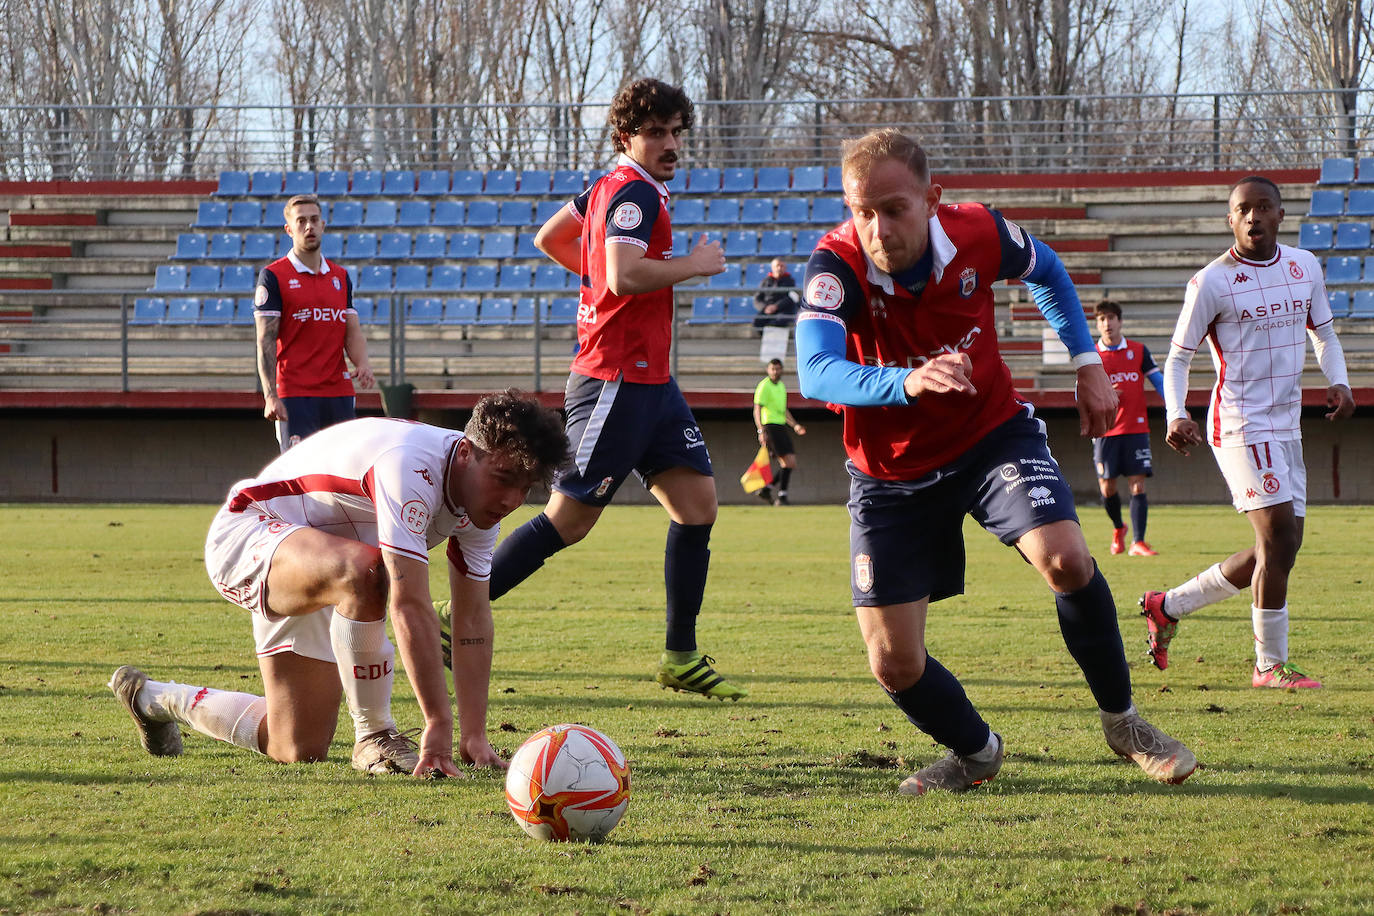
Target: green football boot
441 608
697 676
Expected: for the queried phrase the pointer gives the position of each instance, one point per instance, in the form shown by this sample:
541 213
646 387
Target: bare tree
1329 35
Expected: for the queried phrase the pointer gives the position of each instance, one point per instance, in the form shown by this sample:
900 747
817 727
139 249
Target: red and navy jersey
1128 366
971 247
625 337
314 310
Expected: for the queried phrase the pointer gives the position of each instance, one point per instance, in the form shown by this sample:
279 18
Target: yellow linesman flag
759 474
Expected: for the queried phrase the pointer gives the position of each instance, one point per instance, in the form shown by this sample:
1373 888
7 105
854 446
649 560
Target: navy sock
938 706
1087 618
686 557
1140 510
784 476
522 552
1113 506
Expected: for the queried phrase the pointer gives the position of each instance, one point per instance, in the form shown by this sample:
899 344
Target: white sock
989 750
1271 635
1207 587
366 662
220 714
1111 718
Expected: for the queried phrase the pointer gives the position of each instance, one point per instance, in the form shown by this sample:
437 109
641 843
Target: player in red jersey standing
625 413
306 323
1124 449
897 325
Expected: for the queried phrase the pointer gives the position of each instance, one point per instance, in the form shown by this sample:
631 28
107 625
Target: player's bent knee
362 574
897 671
1068 571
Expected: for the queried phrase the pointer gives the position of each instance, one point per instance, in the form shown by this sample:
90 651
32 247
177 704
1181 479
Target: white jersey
1255 318
375 480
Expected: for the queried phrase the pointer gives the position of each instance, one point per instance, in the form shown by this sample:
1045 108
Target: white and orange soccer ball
568 782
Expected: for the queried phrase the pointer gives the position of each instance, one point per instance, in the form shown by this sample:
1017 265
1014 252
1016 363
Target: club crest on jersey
1295 270
863 572
627 216
1015 234
825 291
1271 484
605 485
336 282
968 280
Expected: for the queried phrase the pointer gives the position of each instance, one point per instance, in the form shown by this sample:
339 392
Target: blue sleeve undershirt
1055 297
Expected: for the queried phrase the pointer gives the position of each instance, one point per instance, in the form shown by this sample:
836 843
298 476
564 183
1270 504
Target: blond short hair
862 153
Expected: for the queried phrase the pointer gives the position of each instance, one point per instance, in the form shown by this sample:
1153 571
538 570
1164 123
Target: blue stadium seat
741 243
394 245
460 310
689 211
1361 202
703 181
429 246
808 178
425 310
169 278
834 180
237 278
245 214
364 306
730 278
192 246
465 245
413 213
211 214
524 246
549 277
677 184
535 182
433 182
682 241
365 183
754 274
1337 170
496 310
500 181
756 210
243 311
546 210
374 278
1362 304
298 183
524 311
217 310
479 277
827 210
331 246
381 214
775 243
346 214
1366 173
482 213
806 241
1339 300
793 210
265 184
514 277
1369 269
467 182
360 246
261 247
498 245
722 211
331 184
411 278
568 183
182 310
1343 269
514 213
1326 202
739 310
446 278
1316 236
1352 236
148 311
284 245
737 181
448 213
773 179
398 183
707 310
381 311
560 311
232 184
225 246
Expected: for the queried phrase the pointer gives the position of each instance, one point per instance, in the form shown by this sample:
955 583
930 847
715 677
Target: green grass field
785 802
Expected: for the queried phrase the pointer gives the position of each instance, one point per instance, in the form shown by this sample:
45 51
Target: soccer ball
568 782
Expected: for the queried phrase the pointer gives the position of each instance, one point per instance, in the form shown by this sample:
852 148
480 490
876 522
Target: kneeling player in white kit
327 541
1255 305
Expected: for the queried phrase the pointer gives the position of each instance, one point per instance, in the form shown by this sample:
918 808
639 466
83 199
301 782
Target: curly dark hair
521 430
643 100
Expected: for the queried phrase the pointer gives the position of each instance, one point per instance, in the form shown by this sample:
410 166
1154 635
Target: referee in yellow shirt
771 420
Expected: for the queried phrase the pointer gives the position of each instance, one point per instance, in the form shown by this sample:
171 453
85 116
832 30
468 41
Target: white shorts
238 554
1265 474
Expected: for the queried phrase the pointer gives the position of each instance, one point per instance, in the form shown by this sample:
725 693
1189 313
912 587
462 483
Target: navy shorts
778 439
1127 455
906 538
619 427
310 415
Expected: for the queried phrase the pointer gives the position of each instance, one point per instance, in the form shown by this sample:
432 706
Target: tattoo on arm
472 641
267 354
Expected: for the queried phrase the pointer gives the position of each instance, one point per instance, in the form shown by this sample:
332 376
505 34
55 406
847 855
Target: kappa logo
627 216
415 516
863 572
1271 484
1241 277
968 279
424 472
1251 493
1040 496
1295 270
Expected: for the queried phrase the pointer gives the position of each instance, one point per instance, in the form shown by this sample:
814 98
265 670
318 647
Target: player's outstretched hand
1183 435
437 767
1097 401
1341 402
947 373
708 257
479 753
436 753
